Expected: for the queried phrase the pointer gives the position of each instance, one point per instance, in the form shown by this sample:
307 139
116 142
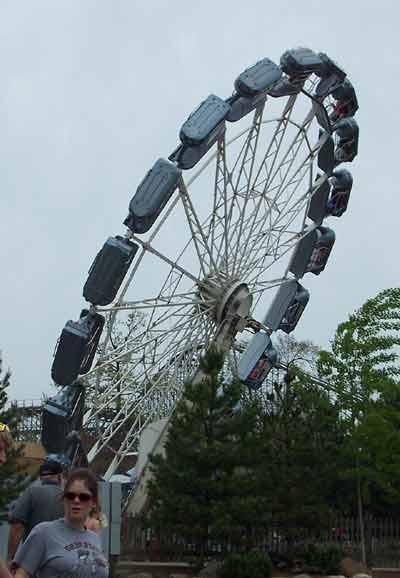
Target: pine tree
10 478
203 488
299 434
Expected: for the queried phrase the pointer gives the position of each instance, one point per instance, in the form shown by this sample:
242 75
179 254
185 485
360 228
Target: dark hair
86 476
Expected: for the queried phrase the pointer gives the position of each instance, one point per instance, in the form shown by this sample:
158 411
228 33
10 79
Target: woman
65 548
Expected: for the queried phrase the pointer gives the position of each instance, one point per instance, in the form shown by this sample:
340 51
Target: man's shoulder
45 499
20 509
45 488
34 484
28 489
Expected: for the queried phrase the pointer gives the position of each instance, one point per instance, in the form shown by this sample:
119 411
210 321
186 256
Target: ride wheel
242 219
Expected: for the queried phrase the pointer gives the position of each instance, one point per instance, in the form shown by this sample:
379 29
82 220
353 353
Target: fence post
361 517
368 538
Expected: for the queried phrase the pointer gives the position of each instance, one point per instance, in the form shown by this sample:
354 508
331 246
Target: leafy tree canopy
363 366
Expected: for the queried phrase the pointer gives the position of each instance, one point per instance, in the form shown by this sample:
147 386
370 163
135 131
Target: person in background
6 443
40 502
96 519
65 547
93 521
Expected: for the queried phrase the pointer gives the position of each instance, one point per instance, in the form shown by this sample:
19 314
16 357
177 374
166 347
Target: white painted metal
223 240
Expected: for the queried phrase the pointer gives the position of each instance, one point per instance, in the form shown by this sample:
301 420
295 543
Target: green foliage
204 486
299 435
364 357
295 453
232 464
253 564
321 558
10 480
363 367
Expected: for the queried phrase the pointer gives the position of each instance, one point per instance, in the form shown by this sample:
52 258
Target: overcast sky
92 92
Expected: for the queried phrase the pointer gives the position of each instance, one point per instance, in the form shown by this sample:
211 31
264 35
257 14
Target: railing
382 537
30 419
29 412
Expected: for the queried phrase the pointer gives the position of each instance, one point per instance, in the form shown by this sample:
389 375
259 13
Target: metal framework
209 248
29 414
206 265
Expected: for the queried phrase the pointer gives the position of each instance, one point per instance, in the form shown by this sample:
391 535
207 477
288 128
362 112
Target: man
40 502
5 445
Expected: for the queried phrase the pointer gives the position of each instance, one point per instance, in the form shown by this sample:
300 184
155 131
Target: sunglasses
4 427
82 497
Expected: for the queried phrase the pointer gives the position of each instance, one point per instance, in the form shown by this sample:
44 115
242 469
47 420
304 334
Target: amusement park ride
211 231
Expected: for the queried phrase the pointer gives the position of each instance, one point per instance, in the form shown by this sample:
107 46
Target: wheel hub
225 297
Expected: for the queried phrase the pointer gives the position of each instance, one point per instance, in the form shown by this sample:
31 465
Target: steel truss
233 244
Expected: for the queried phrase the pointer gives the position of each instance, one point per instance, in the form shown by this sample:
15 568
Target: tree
363 367
363 361
300 354
299 435
203 487
10 480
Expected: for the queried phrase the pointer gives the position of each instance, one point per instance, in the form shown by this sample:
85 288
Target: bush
324 559
252 564
330 558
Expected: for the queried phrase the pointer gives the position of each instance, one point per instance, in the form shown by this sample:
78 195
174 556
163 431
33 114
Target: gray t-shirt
55 550
40 502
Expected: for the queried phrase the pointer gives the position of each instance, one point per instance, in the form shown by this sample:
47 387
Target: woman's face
78 501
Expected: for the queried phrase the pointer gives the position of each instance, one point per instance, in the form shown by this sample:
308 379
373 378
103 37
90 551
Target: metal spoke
148 247
288 160
237 218
244 168
204 252
270 156
259 242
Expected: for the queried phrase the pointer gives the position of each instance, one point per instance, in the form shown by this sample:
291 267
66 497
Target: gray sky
92 92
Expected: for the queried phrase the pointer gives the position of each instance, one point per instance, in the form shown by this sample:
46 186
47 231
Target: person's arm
19 516
4 571
16 533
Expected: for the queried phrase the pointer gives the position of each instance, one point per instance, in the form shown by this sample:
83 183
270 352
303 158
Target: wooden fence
382 541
